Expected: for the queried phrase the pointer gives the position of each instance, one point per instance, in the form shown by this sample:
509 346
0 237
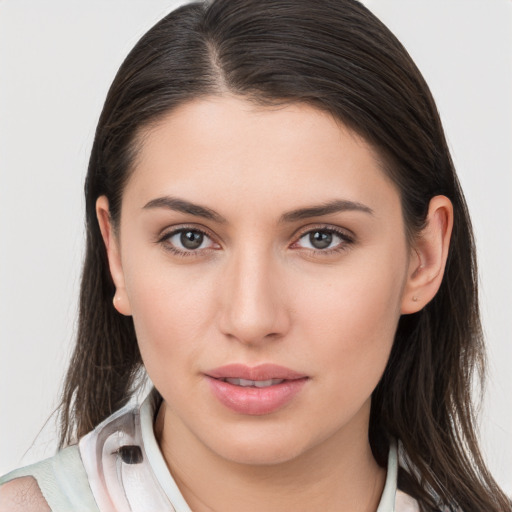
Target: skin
258 291
22 495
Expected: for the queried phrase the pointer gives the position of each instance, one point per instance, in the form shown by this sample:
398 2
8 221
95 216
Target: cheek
171 311
353 318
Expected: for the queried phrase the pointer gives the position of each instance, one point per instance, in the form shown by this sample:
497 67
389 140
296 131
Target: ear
428 256
111 240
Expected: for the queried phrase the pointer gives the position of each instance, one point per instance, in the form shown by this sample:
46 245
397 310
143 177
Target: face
262 244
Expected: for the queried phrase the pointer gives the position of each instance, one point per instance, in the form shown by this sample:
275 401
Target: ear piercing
414 298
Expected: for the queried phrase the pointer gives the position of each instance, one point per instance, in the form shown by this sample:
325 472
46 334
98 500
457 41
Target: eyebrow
335 206
183 206
180 205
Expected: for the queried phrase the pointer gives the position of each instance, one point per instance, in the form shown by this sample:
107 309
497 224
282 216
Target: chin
261 456
269 450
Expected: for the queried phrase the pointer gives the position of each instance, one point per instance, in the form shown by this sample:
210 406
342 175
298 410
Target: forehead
222 147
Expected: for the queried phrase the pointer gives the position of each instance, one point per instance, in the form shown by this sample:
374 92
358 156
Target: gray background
57 59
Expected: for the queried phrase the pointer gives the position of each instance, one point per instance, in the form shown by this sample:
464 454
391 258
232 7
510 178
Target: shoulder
22 494
64 482
58 484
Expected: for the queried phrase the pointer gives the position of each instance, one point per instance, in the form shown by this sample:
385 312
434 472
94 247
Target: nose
253 305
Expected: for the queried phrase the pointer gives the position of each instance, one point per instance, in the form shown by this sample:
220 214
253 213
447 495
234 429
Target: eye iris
320 239
191 239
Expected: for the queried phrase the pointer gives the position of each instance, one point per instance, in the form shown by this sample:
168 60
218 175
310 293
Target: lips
258 390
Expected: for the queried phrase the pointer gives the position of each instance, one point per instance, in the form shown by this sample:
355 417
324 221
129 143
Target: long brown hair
338 57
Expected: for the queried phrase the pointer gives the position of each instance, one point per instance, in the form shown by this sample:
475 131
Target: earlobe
428 256
110 239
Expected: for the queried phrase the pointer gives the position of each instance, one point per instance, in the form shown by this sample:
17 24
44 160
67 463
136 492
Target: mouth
258 390
246 383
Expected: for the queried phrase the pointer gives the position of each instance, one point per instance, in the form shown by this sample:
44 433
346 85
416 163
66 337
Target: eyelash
165 241
346 241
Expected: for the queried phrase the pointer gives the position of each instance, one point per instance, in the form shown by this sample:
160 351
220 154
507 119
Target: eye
187 240
324 239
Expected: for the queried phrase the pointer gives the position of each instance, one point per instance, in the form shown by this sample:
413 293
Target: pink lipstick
257 390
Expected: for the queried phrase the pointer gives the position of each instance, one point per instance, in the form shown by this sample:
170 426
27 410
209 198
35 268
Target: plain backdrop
57 59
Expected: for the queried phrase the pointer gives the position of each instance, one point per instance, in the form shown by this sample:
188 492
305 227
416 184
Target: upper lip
264 371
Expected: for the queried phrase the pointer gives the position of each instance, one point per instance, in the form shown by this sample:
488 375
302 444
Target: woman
273 212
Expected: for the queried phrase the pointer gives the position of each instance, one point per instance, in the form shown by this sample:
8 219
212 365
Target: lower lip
256 401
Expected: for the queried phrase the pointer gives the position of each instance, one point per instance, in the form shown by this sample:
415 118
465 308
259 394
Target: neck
338 474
